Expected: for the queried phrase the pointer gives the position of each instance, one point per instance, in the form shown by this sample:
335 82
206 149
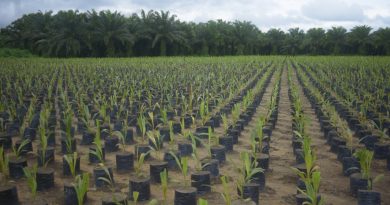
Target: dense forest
159 33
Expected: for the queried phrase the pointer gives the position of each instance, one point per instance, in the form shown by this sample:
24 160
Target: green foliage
183 166
71 159
155 137
164 185
106 33
247 170
164 116
309 158
31 175
3 162
236 113
108 179
312 189
202 202
139 163
14 52
135 197
204 112
226 193
18 151
97 141
81 187
171 134
195 155
212 138
225 123
365 158
141 122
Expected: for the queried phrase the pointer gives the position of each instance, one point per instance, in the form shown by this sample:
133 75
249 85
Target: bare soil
280 179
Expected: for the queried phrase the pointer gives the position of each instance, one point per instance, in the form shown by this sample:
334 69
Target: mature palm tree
110 29
141 26
382 41
336 39
294 40
68 35
275 38
360 39
166 30
224 38
315 41
202 36
24 32
245 34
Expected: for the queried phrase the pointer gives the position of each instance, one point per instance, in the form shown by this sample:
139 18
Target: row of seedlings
357 163
306 168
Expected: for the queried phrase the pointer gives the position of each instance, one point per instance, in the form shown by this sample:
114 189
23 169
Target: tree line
158 33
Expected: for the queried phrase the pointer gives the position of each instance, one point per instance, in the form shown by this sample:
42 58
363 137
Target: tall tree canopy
159 33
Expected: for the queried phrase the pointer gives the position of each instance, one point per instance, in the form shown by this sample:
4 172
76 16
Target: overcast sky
265 14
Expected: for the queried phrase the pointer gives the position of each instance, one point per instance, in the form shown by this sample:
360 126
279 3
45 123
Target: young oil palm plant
365 158
81 186
4 160
31 175
141 122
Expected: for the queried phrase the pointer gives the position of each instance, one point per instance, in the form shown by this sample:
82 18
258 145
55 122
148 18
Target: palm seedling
195 154
108 179
225 123
71 159
3 162
17 151
68 134
299 122
183 166
141 122
164 116
203 112
309 158
81 187
348 136
151 120
236 113
171 135
312 189
257 136
202 202
365 158
213 140
87 119
31 175
122 140
379 126
43 143
98 151
226 193
164 185
155 138
135 197
139 164
247 172
103 113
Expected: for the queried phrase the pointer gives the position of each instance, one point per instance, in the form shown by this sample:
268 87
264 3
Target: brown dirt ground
280 180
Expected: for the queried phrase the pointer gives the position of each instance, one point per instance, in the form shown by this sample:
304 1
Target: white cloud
333 10
265 14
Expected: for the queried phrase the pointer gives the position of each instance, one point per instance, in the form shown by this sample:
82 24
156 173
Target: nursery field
195 130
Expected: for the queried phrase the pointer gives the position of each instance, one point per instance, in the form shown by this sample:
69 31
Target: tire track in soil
280 177
334 185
